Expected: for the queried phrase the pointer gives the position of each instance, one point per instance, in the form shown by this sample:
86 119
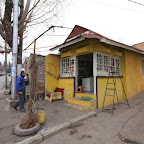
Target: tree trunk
20 46
7 21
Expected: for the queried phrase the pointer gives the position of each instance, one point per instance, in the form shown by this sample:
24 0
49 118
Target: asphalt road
107 128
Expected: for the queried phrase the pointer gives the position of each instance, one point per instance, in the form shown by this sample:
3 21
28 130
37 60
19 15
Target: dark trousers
21 101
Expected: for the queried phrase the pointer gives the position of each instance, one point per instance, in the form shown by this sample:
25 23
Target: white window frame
66 68
103 66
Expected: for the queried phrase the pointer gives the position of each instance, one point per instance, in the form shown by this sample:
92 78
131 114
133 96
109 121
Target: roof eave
68 43
104 40
120 45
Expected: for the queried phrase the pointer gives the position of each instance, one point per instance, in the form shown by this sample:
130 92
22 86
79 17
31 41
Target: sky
120 20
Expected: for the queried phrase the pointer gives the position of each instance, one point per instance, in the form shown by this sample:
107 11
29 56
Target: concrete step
78 107
85 95
83 102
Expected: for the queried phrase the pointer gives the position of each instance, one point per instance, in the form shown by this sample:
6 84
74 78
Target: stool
80 89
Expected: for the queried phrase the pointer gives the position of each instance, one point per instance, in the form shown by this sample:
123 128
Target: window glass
99 62
107 63
67 67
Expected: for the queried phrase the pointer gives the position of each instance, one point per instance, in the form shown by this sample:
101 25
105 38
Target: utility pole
20 41
5 65
14 48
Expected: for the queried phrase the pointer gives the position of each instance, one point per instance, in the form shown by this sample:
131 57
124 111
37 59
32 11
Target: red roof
81 31
139 46
76 31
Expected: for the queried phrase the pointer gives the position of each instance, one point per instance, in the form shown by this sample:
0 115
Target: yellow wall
70 51
123 71
68 86
101 91
134 78
89 46
99 47
52 72
84 47
131 68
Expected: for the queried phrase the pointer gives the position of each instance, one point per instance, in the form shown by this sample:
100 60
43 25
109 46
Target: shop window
67 67
106 63
99 62
118 64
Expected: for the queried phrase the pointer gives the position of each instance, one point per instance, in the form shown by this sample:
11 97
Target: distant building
2 70
40 62
139 46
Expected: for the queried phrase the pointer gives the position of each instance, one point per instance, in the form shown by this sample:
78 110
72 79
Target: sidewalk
56 113
126 124
133 130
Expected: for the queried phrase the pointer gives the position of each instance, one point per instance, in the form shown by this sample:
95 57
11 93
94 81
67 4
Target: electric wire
114 6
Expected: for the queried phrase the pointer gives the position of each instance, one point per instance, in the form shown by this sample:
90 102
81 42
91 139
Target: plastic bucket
40 115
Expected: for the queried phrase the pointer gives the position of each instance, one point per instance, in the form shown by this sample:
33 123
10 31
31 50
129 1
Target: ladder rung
115 92
109 95
110 88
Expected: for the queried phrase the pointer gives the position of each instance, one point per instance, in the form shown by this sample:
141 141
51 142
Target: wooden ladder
113 75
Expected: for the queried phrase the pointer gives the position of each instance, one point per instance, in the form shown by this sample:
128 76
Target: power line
44 51
37 51
58 35
117 6
41 47
136 2
44 33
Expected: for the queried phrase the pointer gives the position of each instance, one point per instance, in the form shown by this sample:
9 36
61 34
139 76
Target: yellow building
85 60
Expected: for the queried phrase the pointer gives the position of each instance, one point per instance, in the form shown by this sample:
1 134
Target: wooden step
78 107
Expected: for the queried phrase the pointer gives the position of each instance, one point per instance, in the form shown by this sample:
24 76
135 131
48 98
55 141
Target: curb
36 139
50 132
127 140
46 133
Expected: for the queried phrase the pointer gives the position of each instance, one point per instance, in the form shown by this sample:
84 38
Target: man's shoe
22 111
15 107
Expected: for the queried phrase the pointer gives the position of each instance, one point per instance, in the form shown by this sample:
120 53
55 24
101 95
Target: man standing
20 89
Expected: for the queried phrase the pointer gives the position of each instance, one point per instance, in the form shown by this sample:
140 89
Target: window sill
109 76
66 77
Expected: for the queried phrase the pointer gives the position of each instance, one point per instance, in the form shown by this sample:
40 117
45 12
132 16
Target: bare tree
31 12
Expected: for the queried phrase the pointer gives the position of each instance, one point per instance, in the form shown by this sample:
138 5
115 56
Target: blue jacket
20 84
